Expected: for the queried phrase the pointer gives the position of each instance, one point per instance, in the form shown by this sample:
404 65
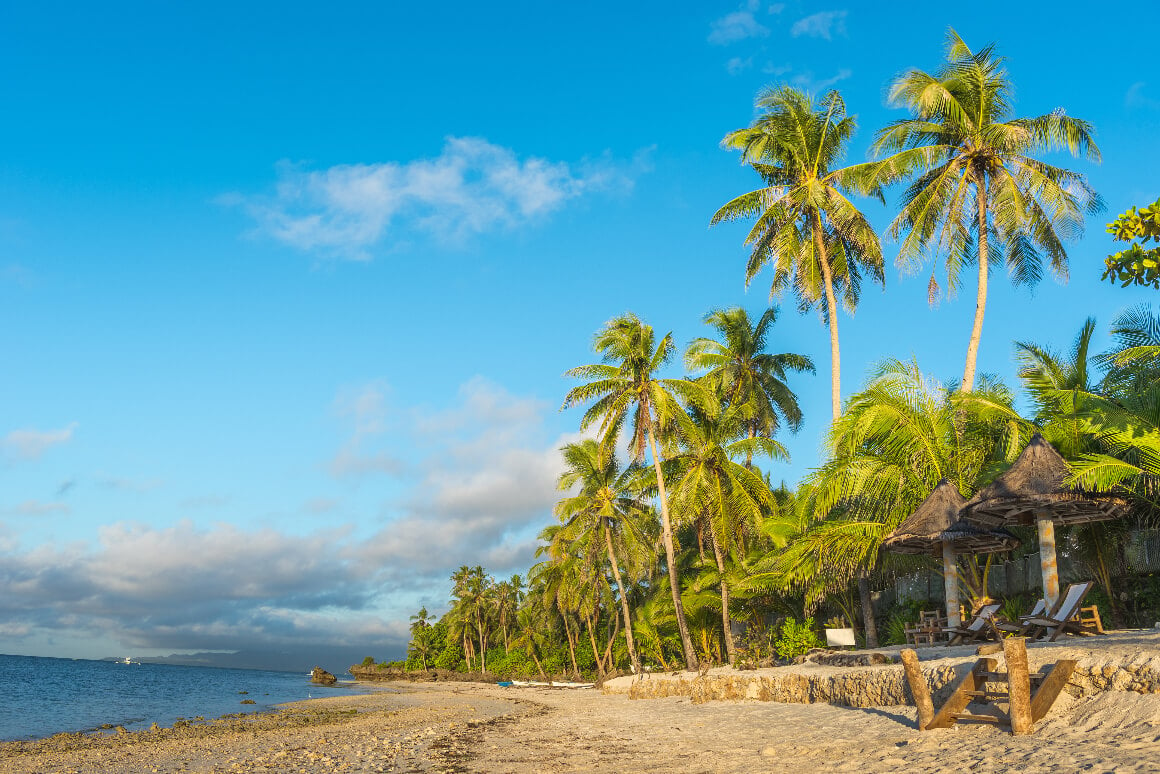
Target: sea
45 696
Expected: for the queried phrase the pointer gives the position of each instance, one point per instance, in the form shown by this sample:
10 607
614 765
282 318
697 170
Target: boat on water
127 660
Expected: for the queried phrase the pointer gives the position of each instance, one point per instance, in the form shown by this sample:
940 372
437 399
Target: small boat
539 684
128 660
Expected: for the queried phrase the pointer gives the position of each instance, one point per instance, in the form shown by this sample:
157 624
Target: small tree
1136 265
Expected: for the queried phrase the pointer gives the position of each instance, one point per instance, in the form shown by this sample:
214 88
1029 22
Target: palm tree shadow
901 718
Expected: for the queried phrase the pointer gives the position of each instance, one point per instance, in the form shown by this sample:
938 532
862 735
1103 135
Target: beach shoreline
484 728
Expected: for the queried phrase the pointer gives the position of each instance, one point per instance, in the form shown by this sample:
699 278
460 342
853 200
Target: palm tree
898 438
605 515
740 369
421 634
708 483
506 599
627 382
1050 377
975 183
815 238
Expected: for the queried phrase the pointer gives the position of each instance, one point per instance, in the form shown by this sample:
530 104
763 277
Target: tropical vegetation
672 547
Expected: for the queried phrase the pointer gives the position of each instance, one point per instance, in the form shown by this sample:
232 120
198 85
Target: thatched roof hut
1033 488
938 520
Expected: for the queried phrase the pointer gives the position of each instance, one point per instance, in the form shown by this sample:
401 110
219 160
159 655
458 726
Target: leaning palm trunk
981 297
670 557
725 622
623 602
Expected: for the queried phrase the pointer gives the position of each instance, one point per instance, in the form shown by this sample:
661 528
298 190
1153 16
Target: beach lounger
1020 628
981 627
1066 615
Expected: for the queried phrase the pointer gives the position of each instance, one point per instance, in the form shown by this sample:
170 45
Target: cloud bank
479 484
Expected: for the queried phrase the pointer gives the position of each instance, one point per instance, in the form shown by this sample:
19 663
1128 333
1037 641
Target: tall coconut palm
626 382
976 188
605 514
806 227
739 368
708 484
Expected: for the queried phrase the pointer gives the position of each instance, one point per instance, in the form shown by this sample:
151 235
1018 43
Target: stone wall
870 687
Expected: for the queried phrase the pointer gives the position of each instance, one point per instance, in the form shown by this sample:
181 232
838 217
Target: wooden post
951 584
1018 684
1048 565
918 688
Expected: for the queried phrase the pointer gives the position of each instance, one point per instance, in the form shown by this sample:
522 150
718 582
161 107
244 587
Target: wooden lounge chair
982 626
1065 616
1021 628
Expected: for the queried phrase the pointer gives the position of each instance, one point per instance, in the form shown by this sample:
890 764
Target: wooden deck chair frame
1061 617
982 626
1021 628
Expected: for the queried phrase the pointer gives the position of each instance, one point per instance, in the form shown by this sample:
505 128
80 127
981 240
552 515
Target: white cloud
36 508
485 482
738 65
807 81
739 25
824 25
364 408
471 188
1136 98
32 444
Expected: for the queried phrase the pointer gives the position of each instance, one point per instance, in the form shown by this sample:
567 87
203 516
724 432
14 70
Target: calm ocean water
44 696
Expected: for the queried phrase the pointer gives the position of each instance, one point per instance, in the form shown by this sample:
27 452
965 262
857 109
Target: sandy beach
471 727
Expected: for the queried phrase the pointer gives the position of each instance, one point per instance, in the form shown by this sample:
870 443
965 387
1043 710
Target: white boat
538 684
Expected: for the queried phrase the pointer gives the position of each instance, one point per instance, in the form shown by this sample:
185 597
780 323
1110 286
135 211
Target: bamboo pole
918 688
1018 685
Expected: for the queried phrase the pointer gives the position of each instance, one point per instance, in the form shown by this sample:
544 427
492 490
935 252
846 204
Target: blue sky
286 294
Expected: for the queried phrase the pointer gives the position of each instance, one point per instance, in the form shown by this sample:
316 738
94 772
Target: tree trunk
670 558
832 314
981 297
539 666
725 624
623 602
595 651
571 643
608 657
868 612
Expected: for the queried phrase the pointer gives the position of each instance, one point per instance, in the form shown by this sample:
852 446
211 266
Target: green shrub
368 661
796 639
450 658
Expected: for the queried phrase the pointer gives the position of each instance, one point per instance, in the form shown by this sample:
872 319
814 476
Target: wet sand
467 727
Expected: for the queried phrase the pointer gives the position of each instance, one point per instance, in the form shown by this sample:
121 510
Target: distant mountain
333 659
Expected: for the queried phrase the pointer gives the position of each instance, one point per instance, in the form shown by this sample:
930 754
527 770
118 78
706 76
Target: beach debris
322 677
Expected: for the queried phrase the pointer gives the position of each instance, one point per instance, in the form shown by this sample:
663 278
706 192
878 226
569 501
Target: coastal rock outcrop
322 677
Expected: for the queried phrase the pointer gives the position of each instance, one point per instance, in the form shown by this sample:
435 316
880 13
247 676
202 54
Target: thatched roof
1034 485
937 521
